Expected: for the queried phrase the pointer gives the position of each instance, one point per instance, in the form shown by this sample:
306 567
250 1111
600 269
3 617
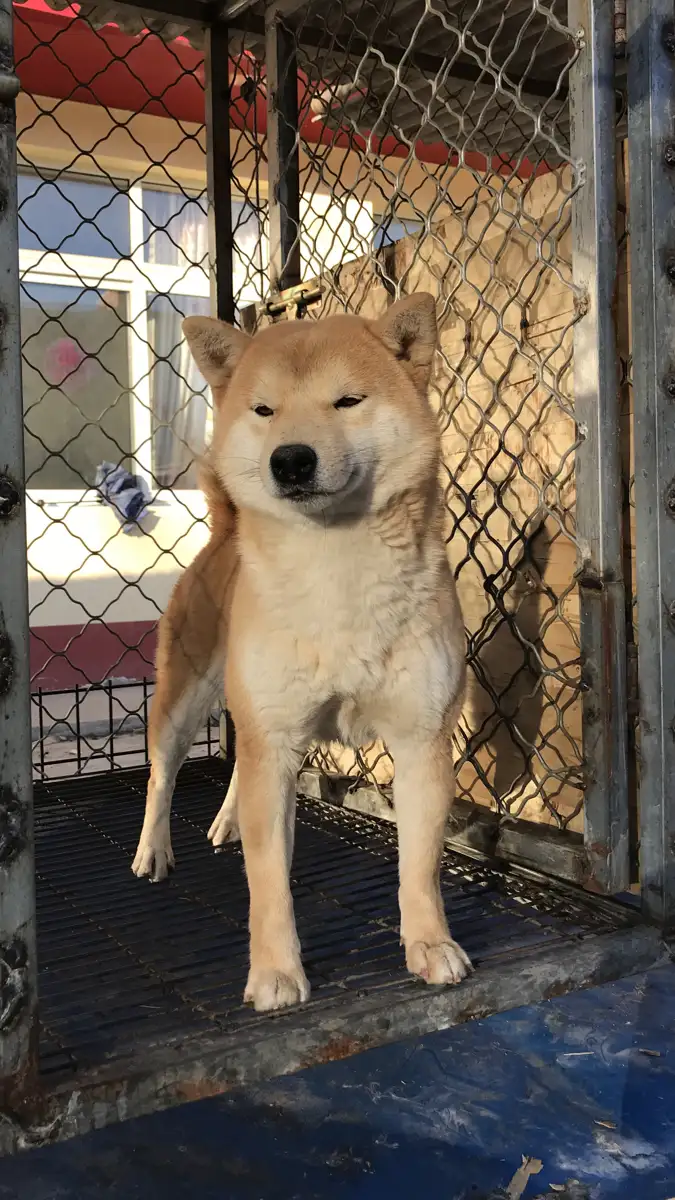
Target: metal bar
146 746
219 187
18 997
598 460
651 144
197 13
283 155
111 724
236 8
78 728
626 434
278 8
219 171
41 720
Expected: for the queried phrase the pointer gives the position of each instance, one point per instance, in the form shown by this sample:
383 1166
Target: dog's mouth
299 494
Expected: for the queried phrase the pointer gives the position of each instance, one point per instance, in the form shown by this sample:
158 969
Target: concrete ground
584 1085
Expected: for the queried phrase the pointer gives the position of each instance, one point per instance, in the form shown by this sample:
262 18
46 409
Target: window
73 216
75 383
389 229
108 273
178 399
175 229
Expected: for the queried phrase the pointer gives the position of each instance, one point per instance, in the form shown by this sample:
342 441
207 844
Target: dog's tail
222 513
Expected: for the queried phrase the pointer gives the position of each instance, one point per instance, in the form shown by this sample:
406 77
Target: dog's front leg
424 783
266 788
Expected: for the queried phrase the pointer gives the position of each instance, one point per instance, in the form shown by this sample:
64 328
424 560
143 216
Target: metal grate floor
123 964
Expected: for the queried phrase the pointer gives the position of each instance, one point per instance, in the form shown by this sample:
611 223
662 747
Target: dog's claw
270 989
153 861
444 963
224 829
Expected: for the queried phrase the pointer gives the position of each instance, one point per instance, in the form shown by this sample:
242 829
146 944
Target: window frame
137 279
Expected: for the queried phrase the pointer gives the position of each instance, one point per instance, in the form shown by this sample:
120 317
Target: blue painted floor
585 1083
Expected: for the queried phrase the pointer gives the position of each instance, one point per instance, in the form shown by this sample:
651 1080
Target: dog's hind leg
177 722
225 828
191 648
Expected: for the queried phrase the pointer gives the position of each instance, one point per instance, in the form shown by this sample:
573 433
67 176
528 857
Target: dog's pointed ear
409 330
215 346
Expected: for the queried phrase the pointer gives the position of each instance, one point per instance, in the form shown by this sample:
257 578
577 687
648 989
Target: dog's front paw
154 856
445 962
269 989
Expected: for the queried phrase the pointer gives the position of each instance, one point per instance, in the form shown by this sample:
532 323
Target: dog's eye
348 401
263 410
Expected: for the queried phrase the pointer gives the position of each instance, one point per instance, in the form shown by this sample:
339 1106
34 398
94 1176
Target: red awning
62 57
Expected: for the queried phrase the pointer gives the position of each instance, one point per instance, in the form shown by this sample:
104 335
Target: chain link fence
434 154
431 151
114 252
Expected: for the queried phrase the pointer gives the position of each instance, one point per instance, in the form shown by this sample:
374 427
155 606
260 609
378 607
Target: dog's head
328 417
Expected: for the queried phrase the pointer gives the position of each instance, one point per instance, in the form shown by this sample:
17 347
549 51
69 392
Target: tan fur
190 660
344 621
194 626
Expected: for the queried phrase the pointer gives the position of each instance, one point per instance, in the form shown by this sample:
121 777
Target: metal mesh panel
434 155
114 251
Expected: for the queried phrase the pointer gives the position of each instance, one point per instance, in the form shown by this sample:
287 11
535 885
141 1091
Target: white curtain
176 229
176 234
178 394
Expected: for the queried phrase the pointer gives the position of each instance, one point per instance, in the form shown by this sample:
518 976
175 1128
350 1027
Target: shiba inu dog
326 597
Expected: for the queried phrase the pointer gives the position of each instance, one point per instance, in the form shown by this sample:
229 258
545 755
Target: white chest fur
345 615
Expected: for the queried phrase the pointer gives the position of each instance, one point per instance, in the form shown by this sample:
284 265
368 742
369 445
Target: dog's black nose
293 465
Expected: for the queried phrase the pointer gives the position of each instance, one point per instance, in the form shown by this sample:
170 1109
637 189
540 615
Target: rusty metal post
18 1001
598 460
651 146
282 153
